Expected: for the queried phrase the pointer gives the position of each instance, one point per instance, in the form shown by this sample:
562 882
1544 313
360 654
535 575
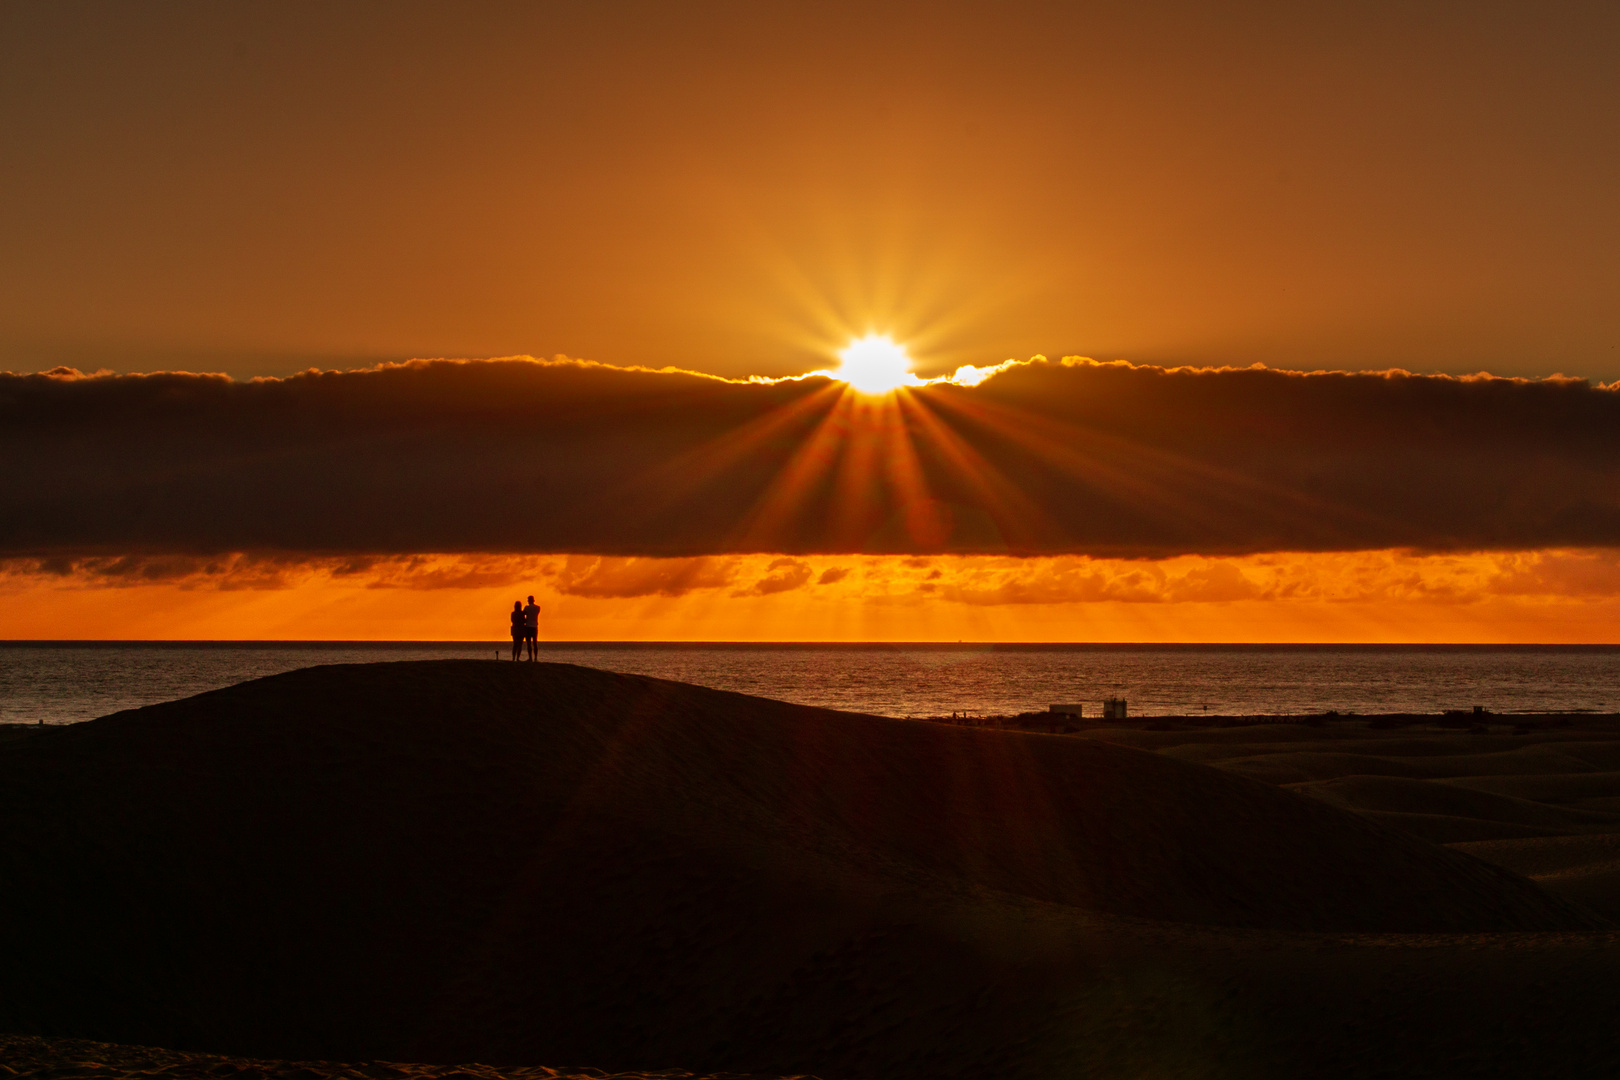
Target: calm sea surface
63 683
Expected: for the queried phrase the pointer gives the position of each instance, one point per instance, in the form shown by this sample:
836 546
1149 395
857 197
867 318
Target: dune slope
1583 868
1515 792
468 861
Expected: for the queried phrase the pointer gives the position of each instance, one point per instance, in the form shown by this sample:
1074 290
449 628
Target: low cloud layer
1041 459
1388 578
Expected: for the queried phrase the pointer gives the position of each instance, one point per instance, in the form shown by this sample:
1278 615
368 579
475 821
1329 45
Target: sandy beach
546 867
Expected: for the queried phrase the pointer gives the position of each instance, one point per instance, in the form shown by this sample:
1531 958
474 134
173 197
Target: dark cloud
783 575
833 575
517 456
275 570
624 578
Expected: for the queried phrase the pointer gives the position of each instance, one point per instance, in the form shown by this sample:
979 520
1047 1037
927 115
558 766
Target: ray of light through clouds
801 262
1552 596
893 512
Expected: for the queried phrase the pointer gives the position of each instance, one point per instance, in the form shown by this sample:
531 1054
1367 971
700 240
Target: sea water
58 683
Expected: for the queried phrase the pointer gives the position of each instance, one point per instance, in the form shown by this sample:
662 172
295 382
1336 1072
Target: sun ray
927 523
859 487
669 487
765 527
1171 488
891 477
1019 520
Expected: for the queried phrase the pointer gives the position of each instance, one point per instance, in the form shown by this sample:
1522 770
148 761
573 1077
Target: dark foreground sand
534 865
83 1059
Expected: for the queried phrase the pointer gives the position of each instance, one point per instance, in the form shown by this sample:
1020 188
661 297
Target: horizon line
491 643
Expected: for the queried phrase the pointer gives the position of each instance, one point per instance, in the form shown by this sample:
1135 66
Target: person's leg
517 645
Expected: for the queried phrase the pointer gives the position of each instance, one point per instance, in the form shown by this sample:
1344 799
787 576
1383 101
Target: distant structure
1068 710
1114 708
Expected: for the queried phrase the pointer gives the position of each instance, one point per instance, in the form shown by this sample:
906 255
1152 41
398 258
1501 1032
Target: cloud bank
519 456
1385 577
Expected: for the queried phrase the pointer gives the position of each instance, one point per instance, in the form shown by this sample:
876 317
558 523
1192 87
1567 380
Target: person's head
517 605
531 599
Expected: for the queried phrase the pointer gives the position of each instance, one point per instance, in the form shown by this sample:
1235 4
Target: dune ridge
542 864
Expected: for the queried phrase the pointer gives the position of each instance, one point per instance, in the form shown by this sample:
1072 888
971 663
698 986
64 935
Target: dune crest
470 861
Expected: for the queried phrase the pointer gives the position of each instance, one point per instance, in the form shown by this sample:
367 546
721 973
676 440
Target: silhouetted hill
464 860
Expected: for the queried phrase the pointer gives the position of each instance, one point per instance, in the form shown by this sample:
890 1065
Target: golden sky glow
875 365
1260 223
740 189
1375 596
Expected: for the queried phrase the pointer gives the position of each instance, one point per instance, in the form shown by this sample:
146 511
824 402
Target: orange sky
736 188
1379 596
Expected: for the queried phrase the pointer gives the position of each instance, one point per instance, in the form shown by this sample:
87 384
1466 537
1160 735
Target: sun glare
875 365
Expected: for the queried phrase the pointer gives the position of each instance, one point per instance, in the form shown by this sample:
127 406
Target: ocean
67 682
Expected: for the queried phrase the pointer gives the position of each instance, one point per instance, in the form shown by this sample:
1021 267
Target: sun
874 364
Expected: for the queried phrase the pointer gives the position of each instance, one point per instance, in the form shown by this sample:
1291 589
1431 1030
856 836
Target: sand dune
548 865
1371 759
1569 789
1585 869
1400 795
1324 754
1509 796
1303 768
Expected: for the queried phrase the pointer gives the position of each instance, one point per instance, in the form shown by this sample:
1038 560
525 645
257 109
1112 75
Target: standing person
517 628
531 628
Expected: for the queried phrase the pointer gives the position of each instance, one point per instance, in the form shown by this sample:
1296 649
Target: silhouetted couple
526 629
